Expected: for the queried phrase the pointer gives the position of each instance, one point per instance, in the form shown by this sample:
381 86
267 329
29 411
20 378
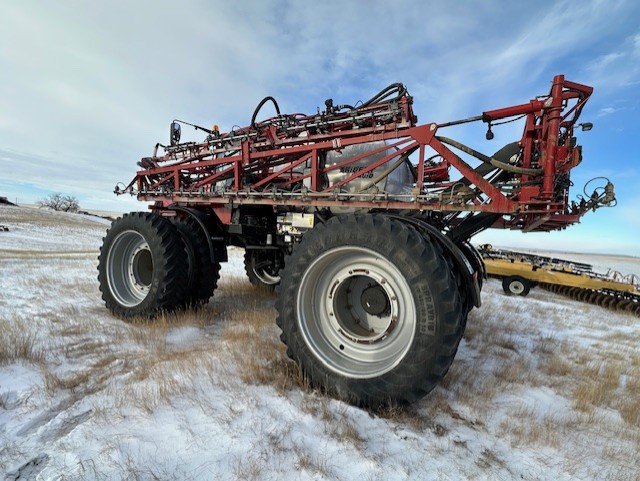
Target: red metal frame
277 162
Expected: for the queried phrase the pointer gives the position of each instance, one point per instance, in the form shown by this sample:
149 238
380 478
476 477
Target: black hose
400 88
489 160
262 102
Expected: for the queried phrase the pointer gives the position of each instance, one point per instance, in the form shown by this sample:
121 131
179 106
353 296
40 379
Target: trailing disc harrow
616 301
521 271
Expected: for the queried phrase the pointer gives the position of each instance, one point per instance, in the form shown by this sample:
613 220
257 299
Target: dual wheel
370 309
149 263
368 306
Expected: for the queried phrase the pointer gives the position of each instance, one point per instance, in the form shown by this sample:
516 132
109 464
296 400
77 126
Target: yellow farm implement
520 272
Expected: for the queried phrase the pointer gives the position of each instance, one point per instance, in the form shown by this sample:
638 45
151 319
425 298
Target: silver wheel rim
516 287
356 312
129 268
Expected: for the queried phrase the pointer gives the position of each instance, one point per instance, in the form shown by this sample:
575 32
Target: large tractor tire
204 271
142 267
263 268
516 286
370 310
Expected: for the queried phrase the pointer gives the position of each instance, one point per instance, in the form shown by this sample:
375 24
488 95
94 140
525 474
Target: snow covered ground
543 387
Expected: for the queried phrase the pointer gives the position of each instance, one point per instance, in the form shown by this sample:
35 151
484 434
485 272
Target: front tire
370 310
142 267
204 271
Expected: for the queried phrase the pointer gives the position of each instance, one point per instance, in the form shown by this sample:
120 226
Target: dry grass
408 416
598 382
489 460
253 343
628 403
526 429
74 382
318 465
338 426
246 338
249 468
17 216
555 365
199 317
19 342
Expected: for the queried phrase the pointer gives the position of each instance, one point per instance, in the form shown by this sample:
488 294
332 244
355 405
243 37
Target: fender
217 252
462 263
473 255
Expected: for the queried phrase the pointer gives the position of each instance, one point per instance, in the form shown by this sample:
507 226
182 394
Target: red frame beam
252 159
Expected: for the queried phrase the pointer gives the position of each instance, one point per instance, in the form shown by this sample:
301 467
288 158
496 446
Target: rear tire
142 267
263 268
516 286
370 310
204 271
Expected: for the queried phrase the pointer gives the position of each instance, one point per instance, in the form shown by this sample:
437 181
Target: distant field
543 387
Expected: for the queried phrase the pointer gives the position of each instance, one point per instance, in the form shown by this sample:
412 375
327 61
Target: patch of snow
121 401
18 382
181 336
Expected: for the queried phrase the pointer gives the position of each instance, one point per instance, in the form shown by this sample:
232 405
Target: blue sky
87 88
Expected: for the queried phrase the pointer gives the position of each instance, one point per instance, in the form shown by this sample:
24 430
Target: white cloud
86 89
618 68
605 61
607 111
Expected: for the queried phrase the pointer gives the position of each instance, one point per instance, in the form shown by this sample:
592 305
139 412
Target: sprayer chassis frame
537 204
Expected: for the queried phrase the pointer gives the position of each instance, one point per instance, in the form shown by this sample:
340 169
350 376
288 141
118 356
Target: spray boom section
375 155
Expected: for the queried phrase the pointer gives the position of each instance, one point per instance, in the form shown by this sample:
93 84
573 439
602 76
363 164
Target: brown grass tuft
317 465
252 339
598 385
629 402
556 365
19 342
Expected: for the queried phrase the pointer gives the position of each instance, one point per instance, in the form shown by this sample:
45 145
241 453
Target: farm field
542 387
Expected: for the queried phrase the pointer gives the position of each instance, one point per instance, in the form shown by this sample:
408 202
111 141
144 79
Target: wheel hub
356 302
356 312
516 287
141 267
374 300
129 268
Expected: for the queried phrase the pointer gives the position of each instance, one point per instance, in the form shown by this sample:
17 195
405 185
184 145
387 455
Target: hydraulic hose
490 160
400 88
262 102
